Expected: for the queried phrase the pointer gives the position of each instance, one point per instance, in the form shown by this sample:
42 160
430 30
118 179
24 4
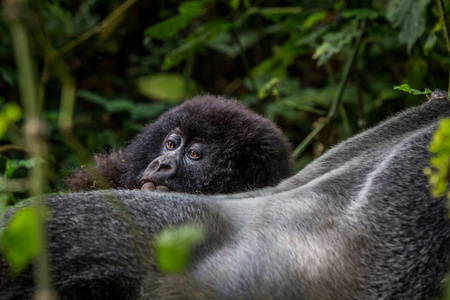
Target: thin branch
337 99
34 137
245 61
446 35
97 29
9 147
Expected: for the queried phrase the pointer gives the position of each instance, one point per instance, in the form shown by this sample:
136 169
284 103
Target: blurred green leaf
8 76
19 241
234 4
279 62
406 88
11 113
110 105
429 43
173 247
187 12
13 164
324 52
409 16
203 34
439 173
166 87
314 18
144 111
361 13
269 88
334 42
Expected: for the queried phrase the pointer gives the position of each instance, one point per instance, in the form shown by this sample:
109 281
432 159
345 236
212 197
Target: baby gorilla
207 145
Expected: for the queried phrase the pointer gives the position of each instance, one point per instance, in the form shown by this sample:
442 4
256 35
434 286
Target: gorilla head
206 145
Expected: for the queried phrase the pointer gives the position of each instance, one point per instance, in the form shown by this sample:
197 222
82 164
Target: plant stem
245 62
337 99
97 29
446 36
34 130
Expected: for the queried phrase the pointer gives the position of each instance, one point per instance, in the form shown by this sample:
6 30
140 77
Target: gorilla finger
148 187
162 188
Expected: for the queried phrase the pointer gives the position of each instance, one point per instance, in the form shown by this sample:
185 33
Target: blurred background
98 70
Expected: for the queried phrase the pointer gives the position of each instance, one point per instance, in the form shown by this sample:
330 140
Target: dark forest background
102 69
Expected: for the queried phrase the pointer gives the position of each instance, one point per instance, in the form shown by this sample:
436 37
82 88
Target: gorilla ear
107 173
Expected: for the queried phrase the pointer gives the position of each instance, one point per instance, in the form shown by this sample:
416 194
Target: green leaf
144 111
361 13
439 174
269 88
315 18
92 97
204 34
169 27
406 88
409 16
166 87
334 42
430 43
234 4
11 113
110 105
173 247
20 240
13 164
324 52
187 12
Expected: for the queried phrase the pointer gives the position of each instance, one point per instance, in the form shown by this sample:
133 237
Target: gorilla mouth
149 186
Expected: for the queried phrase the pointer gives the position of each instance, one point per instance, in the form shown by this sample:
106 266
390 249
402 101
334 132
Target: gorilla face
207 145
180 154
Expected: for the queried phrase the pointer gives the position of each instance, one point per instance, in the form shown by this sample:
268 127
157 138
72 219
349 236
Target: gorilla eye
171 145
194 154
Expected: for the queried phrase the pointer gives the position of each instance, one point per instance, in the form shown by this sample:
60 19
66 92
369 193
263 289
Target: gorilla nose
161 168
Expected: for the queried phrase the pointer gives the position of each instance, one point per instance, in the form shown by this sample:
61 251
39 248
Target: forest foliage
78 77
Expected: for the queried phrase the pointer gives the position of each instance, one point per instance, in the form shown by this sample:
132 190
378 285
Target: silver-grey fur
357 223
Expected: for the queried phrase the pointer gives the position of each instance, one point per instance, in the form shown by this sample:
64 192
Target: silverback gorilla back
357 223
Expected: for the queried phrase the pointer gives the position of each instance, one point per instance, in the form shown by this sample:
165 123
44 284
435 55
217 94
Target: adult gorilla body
357 223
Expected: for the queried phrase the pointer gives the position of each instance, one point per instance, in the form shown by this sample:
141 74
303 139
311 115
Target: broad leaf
334 42
409 16
173 247
439 174
20 240
165 87
187 12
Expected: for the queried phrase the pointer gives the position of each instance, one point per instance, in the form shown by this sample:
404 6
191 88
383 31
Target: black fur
250 152
357 223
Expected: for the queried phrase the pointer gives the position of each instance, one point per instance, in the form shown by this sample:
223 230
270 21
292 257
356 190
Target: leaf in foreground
20 240
439 174
173 247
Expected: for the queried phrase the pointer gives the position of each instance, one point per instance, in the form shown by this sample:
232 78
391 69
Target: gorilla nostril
162 168
165 167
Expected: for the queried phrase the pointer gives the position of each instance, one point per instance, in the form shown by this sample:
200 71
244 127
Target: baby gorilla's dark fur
208 144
